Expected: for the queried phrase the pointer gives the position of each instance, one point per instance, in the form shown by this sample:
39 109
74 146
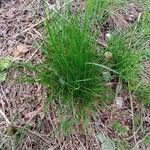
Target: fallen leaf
146 119
20 50
10 130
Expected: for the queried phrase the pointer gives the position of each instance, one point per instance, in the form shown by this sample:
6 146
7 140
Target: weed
147 142
5 64
119 128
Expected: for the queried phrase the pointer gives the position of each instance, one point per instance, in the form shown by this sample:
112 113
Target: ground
21 25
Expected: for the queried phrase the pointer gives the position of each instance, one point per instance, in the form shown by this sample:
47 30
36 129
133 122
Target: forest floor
21 104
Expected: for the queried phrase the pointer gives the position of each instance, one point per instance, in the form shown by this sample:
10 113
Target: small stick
24 31
135 147
80 142
139 17
133 123
101 43
4 116
118 89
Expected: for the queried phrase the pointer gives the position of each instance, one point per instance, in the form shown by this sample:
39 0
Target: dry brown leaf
146 119
20 50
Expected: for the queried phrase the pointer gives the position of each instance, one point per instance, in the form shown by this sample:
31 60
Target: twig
135 147
133 123
139 17
32 55
118 89
44 139
38 23
51 7
101 43
80 142
4 116
128 138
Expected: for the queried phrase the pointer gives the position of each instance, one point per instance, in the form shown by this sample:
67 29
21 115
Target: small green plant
5 63
147 142
119 128
66 71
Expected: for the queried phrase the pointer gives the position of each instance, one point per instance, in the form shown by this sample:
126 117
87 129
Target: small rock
119 102
108 35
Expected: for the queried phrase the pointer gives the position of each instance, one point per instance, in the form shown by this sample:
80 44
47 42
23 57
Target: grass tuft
75 72
67 48
125 59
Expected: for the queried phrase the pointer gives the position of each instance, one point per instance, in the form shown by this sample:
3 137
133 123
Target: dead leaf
10 130
146 119
20 50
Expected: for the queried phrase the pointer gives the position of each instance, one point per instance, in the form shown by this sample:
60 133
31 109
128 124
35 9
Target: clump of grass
125 59
67 48
66 71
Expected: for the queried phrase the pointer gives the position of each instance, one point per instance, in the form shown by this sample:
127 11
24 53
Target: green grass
126 60
67 48
119 128
74 72
144 94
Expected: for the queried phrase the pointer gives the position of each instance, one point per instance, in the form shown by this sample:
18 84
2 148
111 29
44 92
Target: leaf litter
24 99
